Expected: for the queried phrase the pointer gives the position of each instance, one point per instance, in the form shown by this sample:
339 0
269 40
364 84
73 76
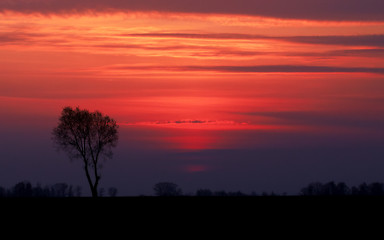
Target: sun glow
206 125
192 72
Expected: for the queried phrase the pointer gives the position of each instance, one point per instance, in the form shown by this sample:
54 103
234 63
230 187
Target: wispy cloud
365 52
357 40
198 124
19 37
341 10
188 122
198 35
375 52
257 69
313 118
352 40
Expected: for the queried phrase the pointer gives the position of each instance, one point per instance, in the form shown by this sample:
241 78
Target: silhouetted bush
204 193
220 193
112 191
236 194
167 189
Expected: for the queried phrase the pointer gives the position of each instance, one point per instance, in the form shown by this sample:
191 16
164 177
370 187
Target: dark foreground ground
203 204
166 216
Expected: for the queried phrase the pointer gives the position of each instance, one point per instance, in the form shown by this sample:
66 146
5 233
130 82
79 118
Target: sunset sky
249 95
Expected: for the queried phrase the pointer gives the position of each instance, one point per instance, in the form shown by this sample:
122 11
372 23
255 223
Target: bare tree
88 136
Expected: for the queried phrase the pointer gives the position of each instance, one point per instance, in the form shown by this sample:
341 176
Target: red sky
193 78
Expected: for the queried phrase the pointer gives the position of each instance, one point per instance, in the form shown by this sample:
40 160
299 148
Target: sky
245 95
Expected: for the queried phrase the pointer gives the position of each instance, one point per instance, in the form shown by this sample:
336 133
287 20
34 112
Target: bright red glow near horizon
196 168
206 73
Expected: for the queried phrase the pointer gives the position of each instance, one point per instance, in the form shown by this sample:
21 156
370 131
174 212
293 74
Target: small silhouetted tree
363 189
313 189
376 189
167 189
78 191
101 192
60 189
204 193
221 193
112 191
22 189
2 192
87 136
238 194
70 191
342 189
47 192
38 191
329 189
354 190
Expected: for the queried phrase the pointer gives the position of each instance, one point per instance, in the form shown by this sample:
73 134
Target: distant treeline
313 189
341 189
26 189
169 189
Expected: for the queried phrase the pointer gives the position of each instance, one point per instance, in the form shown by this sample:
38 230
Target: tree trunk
94 192
92 186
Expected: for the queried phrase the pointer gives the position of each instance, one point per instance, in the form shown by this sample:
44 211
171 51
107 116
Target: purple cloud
340 10
259 69
323 119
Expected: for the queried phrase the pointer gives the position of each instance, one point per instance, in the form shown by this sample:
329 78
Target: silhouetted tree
373 189
101 192
204 193
220 193
78 191
342 189
354 190
70 191
236 194
363 189
167 189
22 189
266 194
376 189
329 189
2 192
38 191
112 191
87 136
60 189
312 189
